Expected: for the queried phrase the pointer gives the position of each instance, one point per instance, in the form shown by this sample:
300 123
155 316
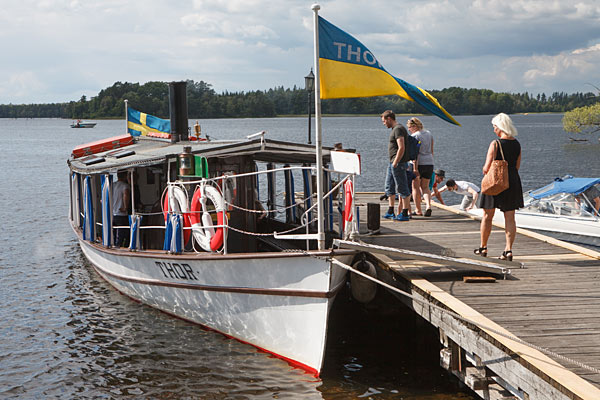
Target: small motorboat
561 209
80 124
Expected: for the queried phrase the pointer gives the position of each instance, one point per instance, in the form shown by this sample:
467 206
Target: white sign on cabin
344 162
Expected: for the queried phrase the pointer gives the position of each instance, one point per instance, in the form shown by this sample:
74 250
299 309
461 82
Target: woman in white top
423 166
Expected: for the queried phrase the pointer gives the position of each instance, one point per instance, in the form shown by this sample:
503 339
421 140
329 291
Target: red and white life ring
348 204
202 227
176 201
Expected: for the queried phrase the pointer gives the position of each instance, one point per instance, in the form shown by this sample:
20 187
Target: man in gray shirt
396 180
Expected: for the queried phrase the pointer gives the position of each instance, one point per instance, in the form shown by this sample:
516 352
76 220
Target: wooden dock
550 303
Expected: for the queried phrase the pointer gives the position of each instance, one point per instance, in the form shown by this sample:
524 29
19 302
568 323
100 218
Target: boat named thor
214 229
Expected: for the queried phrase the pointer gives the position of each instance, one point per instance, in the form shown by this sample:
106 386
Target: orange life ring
181 200
349 203
207 238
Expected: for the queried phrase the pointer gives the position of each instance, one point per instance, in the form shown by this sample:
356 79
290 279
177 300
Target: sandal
506 255
428 212
482 251
416 213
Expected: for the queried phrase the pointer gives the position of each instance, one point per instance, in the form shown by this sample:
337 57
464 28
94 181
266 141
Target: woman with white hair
512 198
422 167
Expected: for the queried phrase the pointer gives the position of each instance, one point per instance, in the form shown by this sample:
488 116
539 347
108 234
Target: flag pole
318 138
126 117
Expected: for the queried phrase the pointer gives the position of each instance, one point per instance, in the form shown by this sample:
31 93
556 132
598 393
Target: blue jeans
396 180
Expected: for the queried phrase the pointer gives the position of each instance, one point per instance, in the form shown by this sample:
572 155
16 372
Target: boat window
90 160
121 153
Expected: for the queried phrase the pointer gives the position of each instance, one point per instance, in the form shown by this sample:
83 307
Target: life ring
179 206
202 227
349 203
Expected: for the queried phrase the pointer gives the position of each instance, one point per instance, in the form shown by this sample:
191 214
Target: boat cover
565 185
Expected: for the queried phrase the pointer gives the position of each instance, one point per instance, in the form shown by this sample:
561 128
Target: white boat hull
568 228
276 302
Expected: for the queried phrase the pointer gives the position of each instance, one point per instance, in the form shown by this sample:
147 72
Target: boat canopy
145 152
567 184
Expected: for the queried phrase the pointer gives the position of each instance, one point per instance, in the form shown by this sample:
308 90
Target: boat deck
552 302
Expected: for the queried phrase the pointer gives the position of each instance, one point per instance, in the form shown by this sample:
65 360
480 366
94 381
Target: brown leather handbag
496 179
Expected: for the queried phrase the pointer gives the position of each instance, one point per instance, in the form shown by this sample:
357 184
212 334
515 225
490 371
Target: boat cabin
265 186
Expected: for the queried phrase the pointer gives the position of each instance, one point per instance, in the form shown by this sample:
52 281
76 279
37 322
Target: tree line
204 102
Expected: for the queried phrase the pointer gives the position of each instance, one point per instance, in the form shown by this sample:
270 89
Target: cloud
58 50
20 84
204 25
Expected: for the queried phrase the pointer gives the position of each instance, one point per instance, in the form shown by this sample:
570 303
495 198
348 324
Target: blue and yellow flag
349 69
139 123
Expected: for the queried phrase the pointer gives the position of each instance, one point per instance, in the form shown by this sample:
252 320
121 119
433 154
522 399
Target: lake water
66 333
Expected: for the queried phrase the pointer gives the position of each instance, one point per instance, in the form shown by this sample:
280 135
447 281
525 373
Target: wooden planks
554 302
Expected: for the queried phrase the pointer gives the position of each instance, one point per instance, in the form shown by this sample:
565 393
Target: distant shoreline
304 116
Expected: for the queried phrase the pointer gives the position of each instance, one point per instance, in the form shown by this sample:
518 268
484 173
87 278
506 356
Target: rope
279 209
467 320
273 233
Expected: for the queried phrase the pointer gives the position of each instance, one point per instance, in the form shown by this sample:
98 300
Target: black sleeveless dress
511 198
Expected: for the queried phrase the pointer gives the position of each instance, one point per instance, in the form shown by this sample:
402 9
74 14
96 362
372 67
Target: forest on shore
204 102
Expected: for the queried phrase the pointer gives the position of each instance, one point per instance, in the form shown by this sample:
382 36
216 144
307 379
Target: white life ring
176 201
202 227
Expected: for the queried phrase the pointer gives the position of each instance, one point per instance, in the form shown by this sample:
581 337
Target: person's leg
120 233
416 195
485 229
510 229
403 190
426 192
406 205
390 191
466 202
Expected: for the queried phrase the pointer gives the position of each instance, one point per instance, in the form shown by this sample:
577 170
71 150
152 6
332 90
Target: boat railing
300 227
222 183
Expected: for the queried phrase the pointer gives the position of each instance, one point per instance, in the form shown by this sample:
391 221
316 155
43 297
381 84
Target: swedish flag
349 69
139 123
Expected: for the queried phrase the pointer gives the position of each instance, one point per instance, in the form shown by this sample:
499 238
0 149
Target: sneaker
401 217
389 216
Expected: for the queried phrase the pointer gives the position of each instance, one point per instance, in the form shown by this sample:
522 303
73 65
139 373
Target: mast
318 138
126 116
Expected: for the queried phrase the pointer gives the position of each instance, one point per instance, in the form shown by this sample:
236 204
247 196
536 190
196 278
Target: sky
59 50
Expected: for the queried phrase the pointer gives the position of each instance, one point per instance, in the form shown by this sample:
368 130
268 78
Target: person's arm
490 157
519 162
475 196
400 152
125 200
437 194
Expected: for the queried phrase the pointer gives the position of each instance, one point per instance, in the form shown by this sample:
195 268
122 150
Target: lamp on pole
309 83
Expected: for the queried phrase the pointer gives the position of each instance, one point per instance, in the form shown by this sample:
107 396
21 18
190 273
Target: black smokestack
179 111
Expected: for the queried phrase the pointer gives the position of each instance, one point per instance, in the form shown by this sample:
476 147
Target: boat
80 124
560 209
218 234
